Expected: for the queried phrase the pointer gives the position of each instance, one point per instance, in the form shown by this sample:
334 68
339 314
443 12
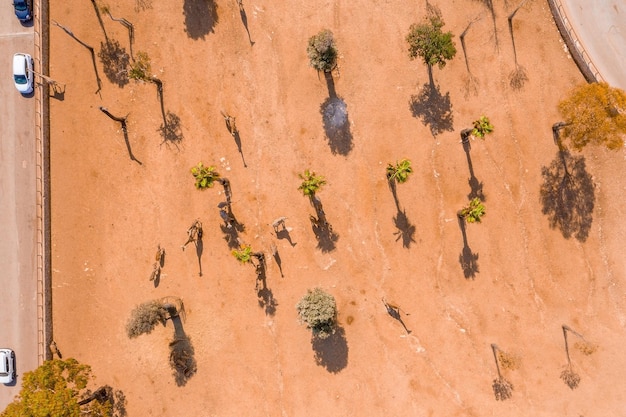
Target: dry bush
508 361
145 317
571 378
502 389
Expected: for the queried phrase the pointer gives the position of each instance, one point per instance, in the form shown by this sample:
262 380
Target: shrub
145 317
322 52
318 310
205 176
311 183
482 127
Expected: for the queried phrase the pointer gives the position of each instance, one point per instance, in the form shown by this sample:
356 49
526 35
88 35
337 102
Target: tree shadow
434 109
142 5
518 76
244 20
568 195
171 130
200 17
406 230
326 237
476 186
284 234
89 48
115 62
199 249
182 359
238 143
124 126
467 258
332 352
336 125
231 227
265 295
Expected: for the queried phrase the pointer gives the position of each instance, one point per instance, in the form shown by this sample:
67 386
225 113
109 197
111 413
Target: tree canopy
322 52
428 41
594 113
318 310
54 390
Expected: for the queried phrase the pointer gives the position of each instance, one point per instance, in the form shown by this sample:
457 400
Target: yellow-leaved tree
594 113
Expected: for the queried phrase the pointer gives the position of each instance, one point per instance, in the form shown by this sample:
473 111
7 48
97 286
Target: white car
7 366
23 73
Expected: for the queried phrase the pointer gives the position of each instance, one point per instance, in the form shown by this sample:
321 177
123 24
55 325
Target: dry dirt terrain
523 278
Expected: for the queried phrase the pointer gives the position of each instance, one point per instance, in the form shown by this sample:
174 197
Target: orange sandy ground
109 213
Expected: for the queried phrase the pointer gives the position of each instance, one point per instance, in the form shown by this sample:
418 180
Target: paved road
600 26
18 280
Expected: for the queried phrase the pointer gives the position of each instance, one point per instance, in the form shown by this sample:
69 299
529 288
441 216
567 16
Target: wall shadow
200 18
568 195
332 352
334 113
115 62
433 108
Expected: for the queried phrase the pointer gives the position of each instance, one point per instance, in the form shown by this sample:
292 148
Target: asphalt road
18 233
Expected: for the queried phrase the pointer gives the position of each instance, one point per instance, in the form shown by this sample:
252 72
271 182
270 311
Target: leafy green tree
58 388
482 127
311 183
594 113
322 52
474 211
400 171
145 317
429 42
205 176
318 310
243 254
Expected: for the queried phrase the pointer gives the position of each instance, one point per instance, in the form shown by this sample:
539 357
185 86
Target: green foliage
54 390
311 183
318 310
474 211
594 113
141 68
205 176
145 317
322 52
243 254
427 41
400 171
482 127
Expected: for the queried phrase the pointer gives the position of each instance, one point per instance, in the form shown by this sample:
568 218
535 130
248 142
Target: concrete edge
571 40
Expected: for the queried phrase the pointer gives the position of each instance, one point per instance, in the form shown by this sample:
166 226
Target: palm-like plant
474 211
482 127
205 175
243 254
400 171
311 183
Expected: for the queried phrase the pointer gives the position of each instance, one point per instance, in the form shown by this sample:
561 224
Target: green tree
322 52
311 183
318 310
58 388
482 127
429 42
400 171
594 113
243 254
205 176
141 68
474 211
145 317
